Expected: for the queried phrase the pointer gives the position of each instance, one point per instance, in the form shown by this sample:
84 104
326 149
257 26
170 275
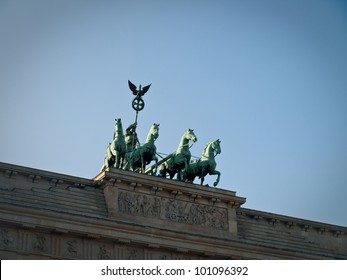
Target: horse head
190 135
153 133
211 149
118 127
216 146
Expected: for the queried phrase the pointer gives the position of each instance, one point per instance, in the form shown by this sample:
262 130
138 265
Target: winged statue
138 92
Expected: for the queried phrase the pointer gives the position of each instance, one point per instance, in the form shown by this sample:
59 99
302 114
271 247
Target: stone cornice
292 222
36 175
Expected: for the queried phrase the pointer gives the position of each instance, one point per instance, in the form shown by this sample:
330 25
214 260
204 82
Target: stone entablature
292 234
125 215
32 243
293 223
44 178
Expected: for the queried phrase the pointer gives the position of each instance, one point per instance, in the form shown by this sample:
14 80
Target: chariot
125 151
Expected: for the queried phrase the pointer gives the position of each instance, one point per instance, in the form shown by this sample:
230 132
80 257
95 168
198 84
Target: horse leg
108 163
116 159
191 180
215 172
104 166
202 176
129 162
184 175
125 163
180 171
188 174
162 170
120 161
143 164
156 165
173 173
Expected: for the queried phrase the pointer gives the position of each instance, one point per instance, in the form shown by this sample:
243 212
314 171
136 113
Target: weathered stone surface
125 215
170 204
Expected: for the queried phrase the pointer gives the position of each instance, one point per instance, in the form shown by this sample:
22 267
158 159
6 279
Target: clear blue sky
268 78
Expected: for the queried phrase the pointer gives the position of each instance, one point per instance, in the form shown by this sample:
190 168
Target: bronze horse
180 159
115 151
143 155
205 165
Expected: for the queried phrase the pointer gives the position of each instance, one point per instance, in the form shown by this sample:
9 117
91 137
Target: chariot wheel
138 104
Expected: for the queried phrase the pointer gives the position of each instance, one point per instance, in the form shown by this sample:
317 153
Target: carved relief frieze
6 238
39 242
134 253
139 204
104 253
172 210
72 248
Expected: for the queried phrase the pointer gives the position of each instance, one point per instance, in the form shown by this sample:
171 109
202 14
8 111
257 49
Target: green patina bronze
115 151
205 165
126 152
131 140
180 159
137 159
138 104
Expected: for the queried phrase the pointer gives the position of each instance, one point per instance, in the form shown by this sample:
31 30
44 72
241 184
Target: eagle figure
138 92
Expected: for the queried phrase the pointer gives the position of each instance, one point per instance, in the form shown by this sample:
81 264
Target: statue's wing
145 89
132 87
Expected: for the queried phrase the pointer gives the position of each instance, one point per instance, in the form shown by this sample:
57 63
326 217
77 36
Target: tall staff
138 104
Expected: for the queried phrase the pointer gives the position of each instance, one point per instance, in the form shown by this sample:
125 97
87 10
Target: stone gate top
125 215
